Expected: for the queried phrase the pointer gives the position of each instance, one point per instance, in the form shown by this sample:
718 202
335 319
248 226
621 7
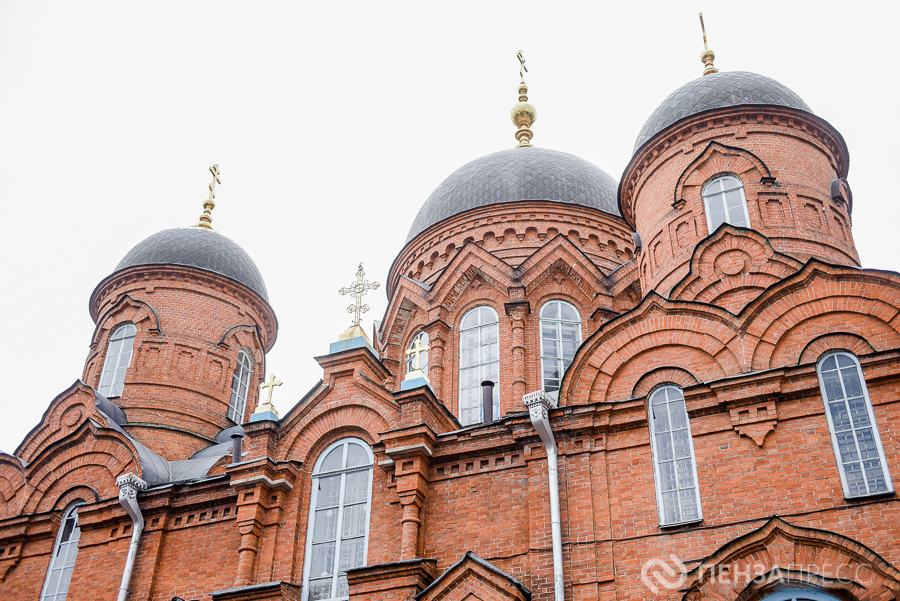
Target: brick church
681 385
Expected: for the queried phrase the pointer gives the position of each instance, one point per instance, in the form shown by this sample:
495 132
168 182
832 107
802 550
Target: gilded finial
707 56
357 290
523 114
209 204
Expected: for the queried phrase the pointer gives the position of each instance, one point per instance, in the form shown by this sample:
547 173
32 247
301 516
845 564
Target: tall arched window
240 384
854 434
674 465
725 203
338 534
560 338
422 339
62 564
118 358
479 360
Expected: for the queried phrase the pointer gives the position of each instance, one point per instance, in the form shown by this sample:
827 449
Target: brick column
518 312
438 335
412 487
247 552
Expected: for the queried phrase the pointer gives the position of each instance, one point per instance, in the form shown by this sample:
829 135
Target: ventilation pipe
236 451
129 486
539 404
487 402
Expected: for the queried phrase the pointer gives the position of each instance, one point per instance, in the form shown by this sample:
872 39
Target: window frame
660 507
410 360
541 319
833 434
45 596
708 213
103 370
496 391
793 594
232 413
311 513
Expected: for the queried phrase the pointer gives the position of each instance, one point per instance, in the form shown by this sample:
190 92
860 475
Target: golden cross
417 350
703 29
271 384
215 180
522 66
358 290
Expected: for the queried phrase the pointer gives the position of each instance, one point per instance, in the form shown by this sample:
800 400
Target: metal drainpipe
538 405
129 486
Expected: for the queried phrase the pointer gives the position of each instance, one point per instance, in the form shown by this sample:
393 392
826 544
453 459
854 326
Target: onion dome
714 91
197 247
522 173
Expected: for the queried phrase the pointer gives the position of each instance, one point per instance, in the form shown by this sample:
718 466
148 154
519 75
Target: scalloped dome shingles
200 248
518 174
719 90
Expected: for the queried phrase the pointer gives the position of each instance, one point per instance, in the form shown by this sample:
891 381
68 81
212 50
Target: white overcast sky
333 122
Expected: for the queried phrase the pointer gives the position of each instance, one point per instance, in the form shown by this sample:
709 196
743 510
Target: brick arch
785 555
127 310
316 448
610 362
76 493
663 375
246 337
12 482
719 159
359 412
851 343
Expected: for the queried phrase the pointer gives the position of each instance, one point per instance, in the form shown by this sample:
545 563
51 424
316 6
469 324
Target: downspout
538 405
129 485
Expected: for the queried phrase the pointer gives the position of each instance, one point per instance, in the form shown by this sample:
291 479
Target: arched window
240 384
725 203
479 360
796 594
854 434
422 339
118 357
560 338
674 466
338 534
62 564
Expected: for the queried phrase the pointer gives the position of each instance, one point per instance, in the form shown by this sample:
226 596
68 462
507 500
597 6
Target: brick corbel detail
255 482
755 421
518 312
753 410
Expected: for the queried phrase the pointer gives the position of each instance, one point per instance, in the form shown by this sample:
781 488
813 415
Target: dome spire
209 204
707 56
523 114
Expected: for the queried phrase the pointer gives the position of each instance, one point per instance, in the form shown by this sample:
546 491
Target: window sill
889 494
681 525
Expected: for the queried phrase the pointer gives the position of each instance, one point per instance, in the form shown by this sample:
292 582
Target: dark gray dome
518 174
200 248
715 91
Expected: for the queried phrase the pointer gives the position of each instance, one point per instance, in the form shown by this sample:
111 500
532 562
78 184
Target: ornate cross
357 291
271 384
522 68
417 350
215 180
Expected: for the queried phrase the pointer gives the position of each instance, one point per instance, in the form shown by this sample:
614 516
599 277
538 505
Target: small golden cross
703 29
522 66
271 386
215 180
417 350
357 291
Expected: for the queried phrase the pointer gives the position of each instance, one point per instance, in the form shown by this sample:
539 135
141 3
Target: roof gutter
539 404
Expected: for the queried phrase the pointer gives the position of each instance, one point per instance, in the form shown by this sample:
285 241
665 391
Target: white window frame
660 506
560 361
411 359
833 433
478 327
55 555
237 404
317 473
116 386
706 197
796 594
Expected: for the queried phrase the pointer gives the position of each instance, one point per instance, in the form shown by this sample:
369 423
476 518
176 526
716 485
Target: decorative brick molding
474 577
779 553
755 421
